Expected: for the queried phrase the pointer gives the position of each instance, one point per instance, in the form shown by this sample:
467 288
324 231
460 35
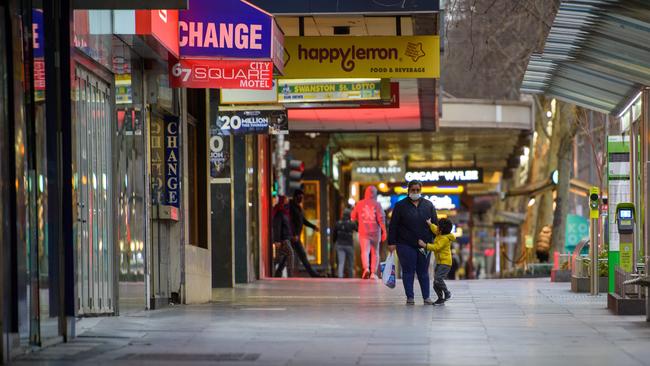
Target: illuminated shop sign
362 57
217 74
309 91
377 171
440 201
232 29
474 175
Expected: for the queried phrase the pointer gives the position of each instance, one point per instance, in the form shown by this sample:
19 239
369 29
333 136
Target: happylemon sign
362 57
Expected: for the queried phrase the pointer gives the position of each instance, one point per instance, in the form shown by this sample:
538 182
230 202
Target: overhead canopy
129 4
597 54
302 7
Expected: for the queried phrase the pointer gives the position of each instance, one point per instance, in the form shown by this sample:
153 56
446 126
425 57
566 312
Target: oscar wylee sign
470 175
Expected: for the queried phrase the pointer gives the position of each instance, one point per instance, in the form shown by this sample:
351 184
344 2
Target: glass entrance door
92 111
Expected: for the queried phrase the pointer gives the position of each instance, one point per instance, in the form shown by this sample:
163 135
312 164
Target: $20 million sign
252 121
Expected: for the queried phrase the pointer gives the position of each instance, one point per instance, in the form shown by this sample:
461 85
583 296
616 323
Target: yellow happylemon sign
362 57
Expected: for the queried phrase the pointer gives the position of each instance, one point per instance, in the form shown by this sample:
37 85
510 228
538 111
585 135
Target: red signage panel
161 24
39 73
221 74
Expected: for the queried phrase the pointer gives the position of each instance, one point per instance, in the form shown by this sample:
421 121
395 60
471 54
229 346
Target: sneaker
366 275
447 295
428 302
439 302
410 301
374 276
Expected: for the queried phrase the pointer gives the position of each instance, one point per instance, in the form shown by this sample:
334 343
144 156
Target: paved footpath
349 322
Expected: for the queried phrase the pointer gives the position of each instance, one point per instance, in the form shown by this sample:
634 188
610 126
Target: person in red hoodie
372 231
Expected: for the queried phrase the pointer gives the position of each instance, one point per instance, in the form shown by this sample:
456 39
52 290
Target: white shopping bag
388 271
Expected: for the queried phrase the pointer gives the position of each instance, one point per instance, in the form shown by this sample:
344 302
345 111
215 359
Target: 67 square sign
221 74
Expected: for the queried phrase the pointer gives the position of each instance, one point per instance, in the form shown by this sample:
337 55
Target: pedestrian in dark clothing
344 240
282 237
298 221
408 226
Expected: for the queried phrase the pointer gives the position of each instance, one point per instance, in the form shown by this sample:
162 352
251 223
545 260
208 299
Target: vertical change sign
172 158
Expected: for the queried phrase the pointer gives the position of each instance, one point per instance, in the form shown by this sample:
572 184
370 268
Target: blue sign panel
440 201
348 6
225 29
38 33
172 172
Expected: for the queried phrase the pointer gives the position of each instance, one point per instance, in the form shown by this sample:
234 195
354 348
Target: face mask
414 196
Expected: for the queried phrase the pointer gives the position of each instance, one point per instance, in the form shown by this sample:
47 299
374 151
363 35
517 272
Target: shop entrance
92 193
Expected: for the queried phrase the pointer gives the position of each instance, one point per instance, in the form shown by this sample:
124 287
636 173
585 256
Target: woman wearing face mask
407 226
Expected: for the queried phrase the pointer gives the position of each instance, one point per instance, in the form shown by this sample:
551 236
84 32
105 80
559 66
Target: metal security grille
92 191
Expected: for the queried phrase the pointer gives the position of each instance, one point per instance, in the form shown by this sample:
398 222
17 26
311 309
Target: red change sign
221 74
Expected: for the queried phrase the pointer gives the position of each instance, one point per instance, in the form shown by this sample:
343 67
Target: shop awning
129 4
596 55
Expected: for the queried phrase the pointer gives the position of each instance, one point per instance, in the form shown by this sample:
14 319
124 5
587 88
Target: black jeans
302 255
439 285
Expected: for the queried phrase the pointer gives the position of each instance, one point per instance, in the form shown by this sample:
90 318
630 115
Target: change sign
236 122
229 29
362 57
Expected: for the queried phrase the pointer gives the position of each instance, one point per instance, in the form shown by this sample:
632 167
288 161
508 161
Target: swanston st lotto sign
362 57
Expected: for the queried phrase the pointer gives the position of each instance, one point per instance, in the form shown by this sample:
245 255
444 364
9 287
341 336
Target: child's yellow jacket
441 246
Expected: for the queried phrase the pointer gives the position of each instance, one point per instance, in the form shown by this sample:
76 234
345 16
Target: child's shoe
439 302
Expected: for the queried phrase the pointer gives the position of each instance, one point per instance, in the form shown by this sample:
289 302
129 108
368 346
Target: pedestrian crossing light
594 196
296 169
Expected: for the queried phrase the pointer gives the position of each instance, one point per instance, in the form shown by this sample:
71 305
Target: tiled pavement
349 322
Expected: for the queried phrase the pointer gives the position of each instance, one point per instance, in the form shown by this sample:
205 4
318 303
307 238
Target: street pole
594 214
593 240
643 192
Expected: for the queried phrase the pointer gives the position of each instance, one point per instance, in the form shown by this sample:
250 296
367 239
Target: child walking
441 248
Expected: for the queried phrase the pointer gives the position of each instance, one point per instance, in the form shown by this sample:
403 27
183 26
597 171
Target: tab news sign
457 176
362 57
303 91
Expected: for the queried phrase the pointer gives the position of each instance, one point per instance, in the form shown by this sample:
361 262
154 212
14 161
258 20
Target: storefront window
93 35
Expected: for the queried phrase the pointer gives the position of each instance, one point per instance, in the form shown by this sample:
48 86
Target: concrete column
634 188
643 196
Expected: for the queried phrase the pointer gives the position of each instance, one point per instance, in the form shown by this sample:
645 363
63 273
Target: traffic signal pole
594 213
